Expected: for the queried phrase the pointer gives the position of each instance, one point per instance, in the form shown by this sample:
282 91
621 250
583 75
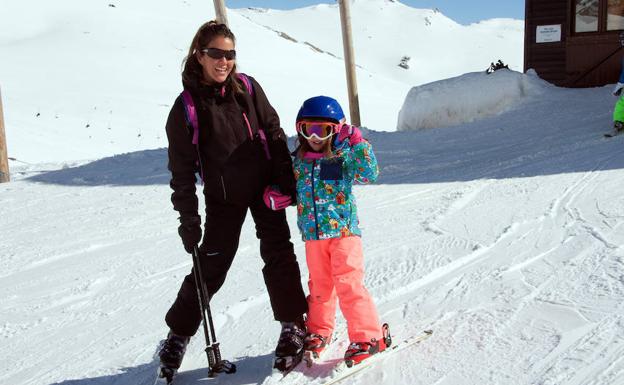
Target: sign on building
548 33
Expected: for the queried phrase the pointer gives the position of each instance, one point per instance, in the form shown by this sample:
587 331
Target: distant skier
331 156
618 110
238 149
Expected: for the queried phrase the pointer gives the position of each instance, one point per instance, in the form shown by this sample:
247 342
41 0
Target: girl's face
318 132
216 70
318 144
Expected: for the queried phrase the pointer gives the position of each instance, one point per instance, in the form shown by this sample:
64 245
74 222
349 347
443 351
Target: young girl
331 156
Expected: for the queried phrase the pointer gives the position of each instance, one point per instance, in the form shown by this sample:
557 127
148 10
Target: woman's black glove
190 231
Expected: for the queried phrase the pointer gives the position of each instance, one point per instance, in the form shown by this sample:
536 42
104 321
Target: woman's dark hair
192 74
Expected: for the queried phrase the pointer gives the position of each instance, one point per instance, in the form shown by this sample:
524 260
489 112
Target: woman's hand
190 231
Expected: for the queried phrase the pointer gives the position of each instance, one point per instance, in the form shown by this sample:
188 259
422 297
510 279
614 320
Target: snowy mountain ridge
106 76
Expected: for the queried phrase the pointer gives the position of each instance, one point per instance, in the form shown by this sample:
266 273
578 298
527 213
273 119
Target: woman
236 164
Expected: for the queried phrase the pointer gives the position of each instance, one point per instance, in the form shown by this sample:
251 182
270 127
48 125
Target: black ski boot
171 354
289 350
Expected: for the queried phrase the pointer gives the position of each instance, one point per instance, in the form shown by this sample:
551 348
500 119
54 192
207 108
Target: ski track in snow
532 295
505 236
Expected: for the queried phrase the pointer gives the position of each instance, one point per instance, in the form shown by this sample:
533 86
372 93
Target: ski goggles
320 130
217 53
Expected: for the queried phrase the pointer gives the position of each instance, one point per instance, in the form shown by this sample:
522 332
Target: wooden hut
574 43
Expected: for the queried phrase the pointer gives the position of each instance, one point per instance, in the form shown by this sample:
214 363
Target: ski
342 371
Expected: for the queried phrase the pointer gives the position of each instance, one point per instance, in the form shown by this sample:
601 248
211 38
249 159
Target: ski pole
215 363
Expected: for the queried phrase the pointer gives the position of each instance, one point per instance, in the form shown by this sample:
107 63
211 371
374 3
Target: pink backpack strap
245 79
191 114
191 119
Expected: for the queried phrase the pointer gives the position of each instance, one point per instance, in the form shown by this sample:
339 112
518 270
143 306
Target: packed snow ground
502 232
503 235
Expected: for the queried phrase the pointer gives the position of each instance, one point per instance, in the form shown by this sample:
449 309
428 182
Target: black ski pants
221 237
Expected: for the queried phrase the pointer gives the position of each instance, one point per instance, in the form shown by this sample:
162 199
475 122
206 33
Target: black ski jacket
234 163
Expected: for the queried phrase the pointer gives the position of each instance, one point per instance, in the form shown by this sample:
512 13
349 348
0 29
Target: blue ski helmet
321 107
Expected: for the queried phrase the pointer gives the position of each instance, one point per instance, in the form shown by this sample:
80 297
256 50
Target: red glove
274 199
350 132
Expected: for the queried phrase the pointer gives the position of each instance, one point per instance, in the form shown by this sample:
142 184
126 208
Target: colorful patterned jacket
326 207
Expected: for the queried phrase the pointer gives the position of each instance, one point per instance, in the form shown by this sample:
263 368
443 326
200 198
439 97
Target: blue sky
462 11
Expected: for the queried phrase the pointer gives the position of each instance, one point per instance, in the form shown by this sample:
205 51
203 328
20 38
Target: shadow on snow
141 168
487 149
250 370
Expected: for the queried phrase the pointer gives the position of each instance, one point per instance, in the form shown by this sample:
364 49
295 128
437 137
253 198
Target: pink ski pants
337 270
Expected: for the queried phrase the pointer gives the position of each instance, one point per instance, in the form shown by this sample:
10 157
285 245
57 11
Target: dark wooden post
354 101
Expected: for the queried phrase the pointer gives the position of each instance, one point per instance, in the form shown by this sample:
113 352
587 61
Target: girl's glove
190 231
274 199
350 132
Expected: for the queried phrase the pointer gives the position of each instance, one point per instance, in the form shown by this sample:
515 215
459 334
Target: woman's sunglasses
320 130
217 53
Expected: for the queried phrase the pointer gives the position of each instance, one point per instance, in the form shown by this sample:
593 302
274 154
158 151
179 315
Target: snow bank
466 98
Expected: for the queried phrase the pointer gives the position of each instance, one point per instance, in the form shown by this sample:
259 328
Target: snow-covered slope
502 232
82 80
386 31
504 235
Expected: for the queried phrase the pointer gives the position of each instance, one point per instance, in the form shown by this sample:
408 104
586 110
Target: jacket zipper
223 186
201 166
260 135
248 126
314 199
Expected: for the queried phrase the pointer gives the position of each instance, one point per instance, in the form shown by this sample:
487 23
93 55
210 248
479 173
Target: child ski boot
360 351
171 354
313 346
289 350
